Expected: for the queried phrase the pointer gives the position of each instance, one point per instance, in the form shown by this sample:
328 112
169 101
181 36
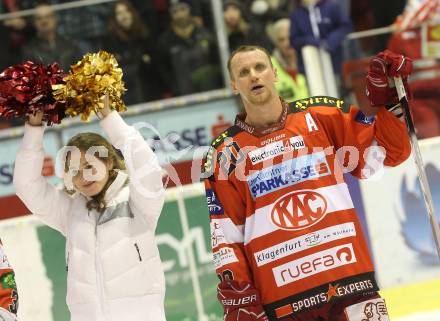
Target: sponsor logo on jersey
314 264
288 173
361 118
371 310
304 242
299 210
318 101
272 139
214 205
276 148
217 235
316 298
224 256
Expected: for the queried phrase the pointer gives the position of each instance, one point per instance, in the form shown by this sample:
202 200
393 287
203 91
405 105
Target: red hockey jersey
281 213
8 289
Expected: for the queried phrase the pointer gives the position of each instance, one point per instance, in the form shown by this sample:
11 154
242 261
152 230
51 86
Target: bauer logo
288 173
214 205
277 148
299 210
313 264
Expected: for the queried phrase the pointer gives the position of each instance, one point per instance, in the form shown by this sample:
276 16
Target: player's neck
260 116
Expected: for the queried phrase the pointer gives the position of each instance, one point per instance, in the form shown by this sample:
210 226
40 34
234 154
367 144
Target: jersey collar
262 131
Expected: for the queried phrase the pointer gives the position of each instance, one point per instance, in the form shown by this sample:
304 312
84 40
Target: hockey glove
383 67
241 302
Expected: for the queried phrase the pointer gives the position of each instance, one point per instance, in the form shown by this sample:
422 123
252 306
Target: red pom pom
27 88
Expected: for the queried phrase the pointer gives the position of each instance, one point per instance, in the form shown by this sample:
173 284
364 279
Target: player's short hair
246 48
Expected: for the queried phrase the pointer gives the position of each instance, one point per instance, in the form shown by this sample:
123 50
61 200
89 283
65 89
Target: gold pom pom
95 75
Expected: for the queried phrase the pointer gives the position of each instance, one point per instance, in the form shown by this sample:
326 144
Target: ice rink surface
426 316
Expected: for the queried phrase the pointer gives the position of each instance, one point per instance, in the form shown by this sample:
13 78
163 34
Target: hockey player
286 241
8 289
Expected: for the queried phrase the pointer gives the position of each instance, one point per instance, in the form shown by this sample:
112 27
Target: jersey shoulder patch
207 166
318 101
228 133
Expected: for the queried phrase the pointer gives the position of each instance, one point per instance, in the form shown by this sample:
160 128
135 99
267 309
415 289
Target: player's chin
261 98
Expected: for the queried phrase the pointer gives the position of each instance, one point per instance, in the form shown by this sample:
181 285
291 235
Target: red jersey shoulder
216 147
318 101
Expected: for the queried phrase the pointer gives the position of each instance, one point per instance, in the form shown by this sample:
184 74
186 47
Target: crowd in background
169 48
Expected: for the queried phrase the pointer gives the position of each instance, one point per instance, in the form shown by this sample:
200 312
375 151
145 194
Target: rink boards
37 254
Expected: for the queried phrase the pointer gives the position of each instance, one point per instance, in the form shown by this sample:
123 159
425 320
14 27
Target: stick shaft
426 191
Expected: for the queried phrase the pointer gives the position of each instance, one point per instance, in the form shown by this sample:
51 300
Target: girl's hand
36 119
106 109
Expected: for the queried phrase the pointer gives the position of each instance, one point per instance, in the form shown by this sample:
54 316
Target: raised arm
41 198
350 127
370 137
147 193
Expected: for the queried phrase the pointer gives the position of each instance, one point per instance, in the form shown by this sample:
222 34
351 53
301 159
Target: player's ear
275 70
233 87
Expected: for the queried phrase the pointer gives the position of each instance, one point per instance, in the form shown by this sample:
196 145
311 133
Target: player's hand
241 302
36 119
382 68
397 65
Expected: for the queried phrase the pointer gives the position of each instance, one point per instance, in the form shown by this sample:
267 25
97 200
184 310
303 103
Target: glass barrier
421 45
164 51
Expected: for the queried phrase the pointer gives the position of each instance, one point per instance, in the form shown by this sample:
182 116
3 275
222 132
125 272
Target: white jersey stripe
224 231
337 196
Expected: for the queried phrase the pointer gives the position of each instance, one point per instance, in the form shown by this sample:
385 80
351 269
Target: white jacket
114 268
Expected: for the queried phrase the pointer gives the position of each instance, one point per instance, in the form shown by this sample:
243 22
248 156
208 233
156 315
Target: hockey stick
419 162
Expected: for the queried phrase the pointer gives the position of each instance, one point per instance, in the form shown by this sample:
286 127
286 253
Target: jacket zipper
99 277
139 252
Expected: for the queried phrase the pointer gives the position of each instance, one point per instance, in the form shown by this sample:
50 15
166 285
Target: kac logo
299 210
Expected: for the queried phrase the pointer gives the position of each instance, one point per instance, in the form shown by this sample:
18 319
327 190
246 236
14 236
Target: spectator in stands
385 13
13 32
425 78
187 54
291 85
150 13
267 12
48 46
129 40
240 30
320 23
86 25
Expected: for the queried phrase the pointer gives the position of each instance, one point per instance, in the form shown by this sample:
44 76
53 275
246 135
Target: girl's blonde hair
83 142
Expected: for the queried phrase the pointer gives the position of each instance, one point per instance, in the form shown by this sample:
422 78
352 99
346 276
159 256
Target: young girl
108 217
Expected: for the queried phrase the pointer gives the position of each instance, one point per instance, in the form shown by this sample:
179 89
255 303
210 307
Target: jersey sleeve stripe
226 232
